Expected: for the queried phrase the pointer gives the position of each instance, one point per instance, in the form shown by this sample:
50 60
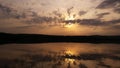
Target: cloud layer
114 4
32 13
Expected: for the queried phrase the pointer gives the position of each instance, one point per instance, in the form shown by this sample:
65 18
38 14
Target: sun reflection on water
69 52
69 60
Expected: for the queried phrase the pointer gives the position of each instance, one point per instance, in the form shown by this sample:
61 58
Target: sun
69 25
69 18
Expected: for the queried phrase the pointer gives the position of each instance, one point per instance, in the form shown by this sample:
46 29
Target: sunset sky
60 17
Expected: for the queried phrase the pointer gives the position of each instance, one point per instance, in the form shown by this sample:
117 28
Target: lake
60 55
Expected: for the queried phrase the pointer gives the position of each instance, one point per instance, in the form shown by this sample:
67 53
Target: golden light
69 60
69 25
70 53
69 18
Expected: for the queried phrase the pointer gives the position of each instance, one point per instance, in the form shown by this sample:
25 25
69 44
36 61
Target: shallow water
60 55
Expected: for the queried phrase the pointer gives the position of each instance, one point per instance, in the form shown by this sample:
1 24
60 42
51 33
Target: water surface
60 55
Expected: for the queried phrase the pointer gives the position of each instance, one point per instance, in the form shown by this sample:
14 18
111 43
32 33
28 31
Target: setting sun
70 18
69 25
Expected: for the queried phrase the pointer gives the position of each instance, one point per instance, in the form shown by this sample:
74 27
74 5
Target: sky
60 17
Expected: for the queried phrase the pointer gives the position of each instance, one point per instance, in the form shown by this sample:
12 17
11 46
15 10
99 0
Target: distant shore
39 38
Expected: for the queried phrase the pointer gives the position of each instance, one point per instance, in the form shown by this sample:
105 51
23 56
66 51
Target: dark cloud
108 4
93 22
101 15
74 15
82 13
115 4
114 21
69 10
5 11
116 26
57 13
27 14
8 12
117 10
41 19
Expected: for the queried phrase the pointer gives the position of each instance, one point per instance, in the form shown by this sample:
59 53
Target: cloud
116 27
82 13
94 22
117 10
114 4
69 10
101 15
28 16
41 19
8 12
91 22
5 11
88 22
57 13
108 4
114 21
36 20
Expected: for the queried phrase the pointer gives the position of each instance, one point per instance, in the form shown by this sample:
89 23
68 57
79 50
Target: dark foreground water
60 55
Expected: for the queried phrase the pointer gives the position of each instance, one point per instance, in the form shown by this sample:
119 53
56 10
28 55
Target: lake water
60 55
